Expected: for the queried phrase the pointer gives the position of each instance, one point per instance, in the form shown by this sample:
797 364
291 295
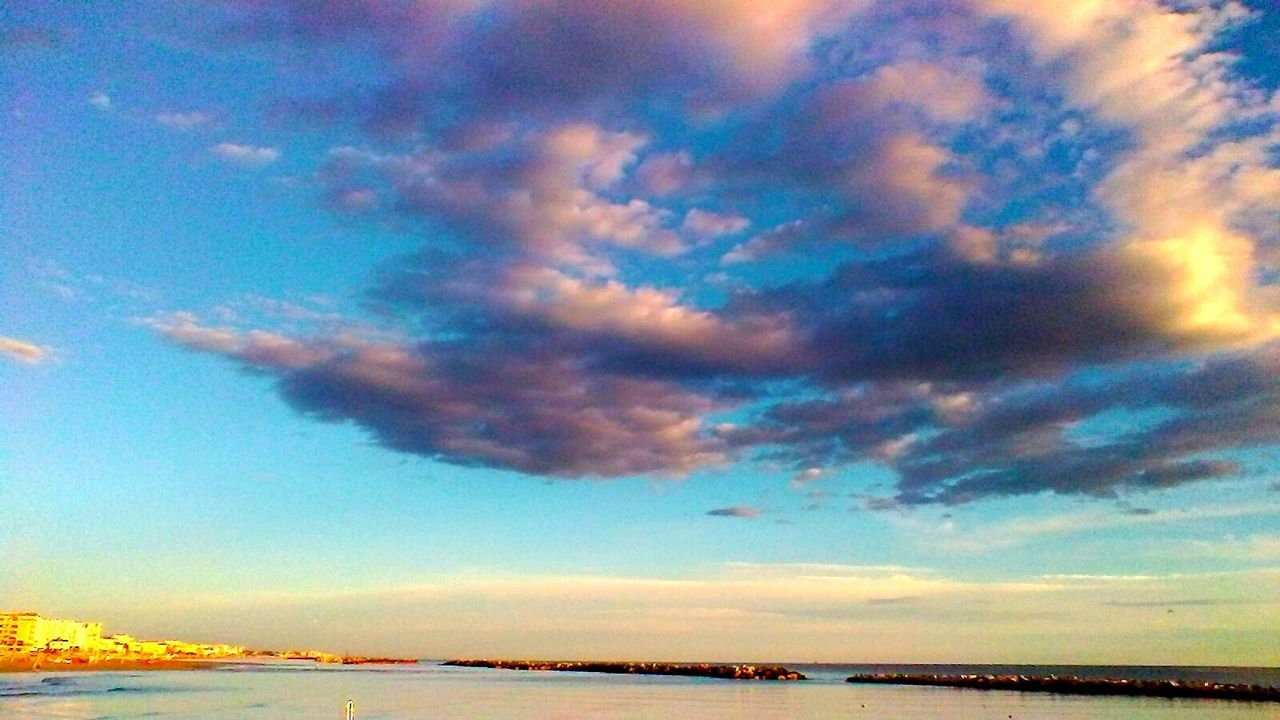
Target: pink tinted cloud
22 351
665 173
532 56
710 225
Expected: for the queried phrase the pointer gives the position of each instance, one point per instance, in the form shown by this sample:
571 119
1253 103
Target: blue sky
868 322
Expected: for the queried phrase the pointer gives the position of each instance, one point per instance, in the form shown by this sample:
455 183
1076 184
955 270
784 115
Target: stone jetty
726 672
1071 685
363 660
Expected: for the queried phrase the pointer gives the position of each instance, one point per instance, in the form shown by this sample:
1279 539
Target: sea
428 690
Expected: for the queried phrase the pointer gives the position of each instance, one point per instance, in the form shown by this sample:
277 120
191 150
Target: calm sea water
294 692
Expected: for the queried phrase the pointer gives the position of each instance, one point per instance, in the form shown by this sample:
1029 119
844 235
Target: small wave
63 690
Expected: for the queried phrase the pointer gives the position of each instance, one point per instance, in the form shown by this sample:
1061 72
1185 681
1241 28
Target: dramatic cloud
930 315
541 413
245 155
22 351
863 145
952 445
999 248
509 59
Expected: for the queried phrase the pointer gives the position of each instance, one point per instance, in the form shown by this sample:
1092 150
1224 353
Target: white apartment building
31 631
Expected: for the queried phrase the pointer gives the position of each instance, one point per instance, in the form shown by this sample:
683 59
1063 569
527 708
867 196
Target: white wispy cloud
182 120
1259 547
246 155
821 570
742 611
953 536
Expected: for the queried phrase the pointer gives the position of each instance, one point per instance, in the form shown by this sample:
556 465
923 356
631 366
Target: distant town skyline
804 330
30 634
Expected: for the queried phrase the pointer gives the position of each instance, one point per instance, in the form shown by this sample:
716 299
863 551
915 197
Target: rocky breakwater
363 660
726 672
1071 685
329 658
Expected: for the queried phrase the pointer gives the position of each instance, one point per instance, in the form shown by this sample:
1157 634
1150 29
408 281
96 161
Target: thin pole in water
351 710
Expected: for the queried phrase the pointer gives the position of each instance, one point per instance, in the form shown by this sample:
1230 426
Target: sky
808 330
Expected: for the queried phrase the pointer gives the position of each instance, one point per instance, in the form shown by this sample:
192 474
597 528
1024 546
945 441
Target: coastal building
120 644
189 649
178 647
28 631
153 648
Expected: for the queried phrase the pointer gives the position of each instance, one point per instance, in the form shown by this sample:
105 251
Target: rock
727 672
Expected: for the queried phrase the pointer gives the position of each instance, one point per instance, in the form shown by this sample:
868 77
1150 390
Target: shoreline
1072 685
48 665
54 664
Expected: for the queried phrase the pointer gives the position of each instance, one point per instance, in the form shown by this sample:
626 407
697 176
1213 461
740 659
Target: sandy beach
29 663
